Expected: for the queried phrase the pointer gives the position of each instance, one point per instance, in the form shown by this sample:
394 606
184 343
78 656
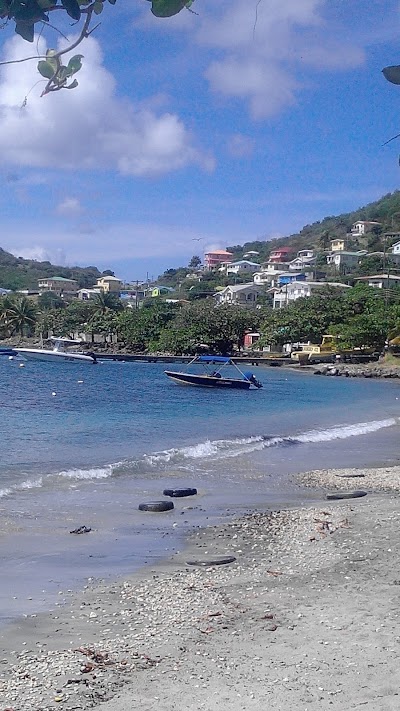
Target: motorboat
217 372
59 352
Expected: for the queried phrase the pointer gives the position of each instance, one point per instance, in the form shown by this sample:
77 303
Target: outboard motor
253 380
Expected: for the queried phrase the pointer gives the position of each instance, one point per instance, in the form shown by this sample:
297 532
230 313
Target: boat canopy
212 359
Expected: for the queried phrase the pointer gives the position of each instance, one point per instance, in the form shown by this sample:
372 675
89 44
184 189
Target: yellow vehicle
324 350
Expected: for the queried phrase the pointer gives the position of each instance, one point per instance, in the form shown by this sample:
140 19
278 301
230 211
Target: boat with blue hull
217 372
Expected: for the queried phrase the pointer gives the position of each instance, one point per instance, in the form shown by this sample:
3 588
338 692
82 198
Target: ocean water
84 445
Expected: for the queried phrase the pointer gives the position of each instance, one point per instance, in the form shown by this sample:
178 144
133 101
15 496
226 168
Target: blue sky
200 131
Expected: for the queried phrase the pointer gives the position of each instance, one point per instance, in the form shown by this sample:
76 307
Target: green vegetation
18 273
360 317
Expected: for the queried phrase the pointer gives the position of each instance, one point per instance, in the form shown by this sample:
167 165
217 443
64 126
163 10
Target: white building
243 266
302 289
245 295
361 227
345 260
395 248
381 281
87 294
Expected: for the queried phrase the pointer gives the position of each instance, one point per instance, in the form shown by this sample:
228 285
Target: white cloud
89 127
262 48
70 207
41 254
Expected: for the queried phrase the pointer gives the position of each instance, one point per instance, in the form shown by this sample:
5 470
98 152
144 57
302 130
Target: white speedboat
59 352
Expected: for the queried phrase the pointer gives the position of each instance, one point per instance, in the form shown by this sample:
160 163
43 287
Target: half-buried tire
346 495
188 491
207 562
156 506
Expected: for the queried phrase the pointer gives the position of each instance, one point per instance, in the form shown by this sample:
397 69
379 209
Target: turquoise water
83 444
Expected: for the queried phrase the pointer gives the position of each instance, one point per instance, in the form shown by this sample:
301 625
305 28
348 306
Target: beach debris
208 562
81 529
22 365
156 506
275 573
346 495
54 393
187 491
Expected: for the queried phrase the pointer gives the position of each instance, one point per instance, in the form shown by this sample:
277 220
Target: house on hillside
362 227
87 294
245 295
345 260
65 288
380 281
159 290
251 253
301 289
214 259
281 254
289 277
395 248
339 244
109 284
243 266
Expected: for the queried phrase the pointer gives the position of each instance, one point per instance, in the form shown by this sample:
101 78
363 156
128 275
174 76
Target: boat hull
208 381
47 355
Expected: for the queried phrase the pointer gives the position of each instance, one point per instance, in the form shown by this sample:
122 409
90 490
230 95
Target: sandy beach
305 618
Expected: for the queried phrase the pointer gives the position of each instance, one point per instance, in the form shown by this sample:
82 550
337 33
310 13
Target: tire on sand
187 491
156 506
346 495
208 562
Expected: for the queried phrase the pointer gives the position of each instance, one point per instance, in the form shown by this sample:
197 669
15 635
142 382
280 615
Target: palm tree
18 315
106 301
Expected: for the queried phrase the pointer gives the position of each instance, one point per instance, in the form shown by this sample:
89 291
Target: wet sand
305 617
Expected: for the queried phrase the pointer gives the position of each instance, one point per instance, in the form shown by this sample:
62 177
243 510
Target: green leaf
112 2
73 85
25 30
75 64
167 8
392 74
98 7
46 69
72 8
3 7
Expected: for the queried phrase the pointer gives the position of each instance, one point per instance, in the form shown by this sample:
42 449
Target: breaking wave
210 449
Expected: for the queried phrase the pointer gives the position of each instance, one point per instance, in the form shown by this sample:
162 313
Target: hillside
19 273
318 235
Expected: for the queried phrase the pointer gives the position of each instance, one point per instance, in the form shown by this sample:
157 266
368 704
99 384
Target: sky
245 121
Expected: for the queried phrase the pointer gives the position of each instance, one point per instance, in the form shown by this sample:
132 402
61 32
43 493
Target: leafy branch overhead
32 16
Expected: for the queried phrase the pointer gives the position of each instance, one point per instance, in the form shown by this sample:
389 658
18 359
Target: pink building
282 254
216 258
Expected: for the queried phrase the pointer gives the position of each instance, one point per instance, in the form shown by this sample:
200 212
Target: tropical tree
18 315
195 262
106 301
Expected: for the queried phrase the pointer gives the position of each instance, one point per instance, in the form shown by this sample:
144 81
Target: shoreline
305 614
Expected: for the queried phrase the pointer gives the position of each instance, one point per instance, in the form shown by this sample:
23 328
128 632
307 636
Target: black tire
188 491
346 495
208 562
156 506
